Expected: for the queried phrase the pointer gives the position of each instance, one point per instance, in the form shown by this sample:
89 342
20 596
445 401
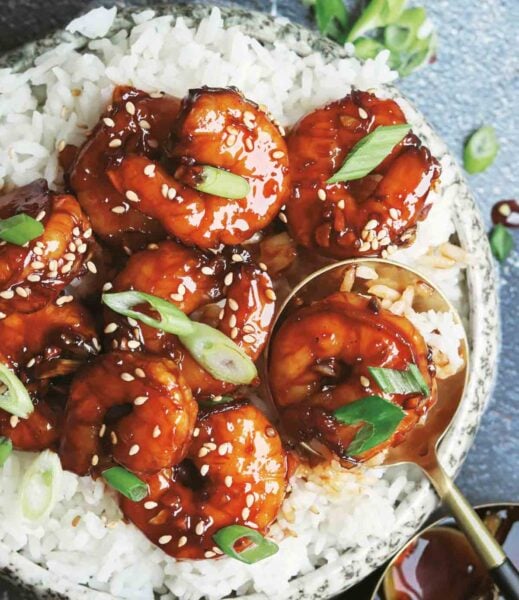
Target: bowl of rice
336 526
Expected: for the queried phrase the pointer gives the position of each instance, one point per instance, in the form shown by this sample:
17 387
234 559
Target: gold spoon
420 447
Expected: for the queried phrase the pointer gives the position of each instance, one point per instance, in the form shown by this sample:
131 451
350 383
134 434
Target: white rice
39 110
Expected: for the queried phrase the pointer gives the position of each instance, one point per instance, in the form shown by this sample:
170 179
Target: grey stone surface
474 81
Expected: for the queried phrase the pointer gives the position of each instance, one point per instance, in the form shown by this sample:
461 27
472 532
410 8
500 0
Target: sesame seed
113 437
278 154
109 122
199 529
203 452
95 460
210 445
115 143
228 279
384 254
33 278
156 432
7 294
394 213
371 224
76 231
245 513
71 247
362 113
270 432
249 116
374 244
134 450
130 108
321 194
118 210
364 381
341 204
127 377
172 192
66 268
204 469
149 170
250 500
165 539
222 449
13 421
107 286
111 327
21 292
249 339
364 247
249 144
140 400
391 249
144 124
182 541
88 233
196 432
232 321
152 246
271 294
228 481
176 297
233 305
237 258
234 333
132 322
132 196
61 145
64 300
149 505
40 216
2 315
102 430
69 256
230 141
31 363
283 218
385 241
207 271
181 289
157 94
53 265
209 554
140 373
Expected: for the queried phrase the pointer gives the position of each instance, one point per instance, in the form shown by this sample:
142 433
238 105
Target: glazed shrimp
367 217
235 473
34 274
194 281
216 127
134 123
319 362
133 408
42 348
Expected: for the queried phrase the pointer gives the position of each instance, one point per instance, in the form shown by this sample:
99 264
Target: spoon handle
491 553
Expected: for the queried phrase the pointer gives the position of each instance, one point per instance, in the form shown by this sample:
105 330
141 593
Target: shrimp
135 123
216 127
319 362
366 217
34 274
235 473
42 348
134 409
194 281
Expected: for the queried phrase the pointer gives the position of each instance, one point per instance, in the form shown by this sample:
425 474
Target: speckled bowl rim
355 564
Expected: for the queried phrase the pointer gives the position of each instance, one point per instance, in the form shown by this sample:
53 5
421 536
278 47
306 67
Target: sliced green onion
219 355
392 381
126 483
172 319
380 417
332 19
219 182
501 242
378 13
370 151
15 400
20 229
366 47
480 150
261 548
40 486
6 447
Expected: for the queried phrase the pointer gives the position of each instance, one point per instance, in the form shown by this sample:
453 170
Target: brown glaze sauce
506 212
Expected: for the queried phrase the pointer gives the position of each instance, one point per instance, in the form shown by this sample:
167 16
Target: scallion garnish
6 448
40 486
378 13
15 399
480 150
20 229
501 242
379 416
261 548
219 355
172 319
219 182
332 19
370 151
392 381
126 483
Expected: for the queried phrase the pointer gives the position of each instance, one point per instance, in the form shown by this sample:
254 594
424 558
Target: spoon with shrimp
423 444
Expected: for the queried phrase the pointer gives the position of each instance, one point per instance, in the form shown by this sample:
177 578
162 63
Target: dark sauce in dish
506 212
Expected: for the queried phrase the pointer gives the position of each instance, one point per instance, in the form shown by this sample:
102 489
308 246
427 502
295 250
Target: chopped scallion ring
219 182
126 483
501 242
6 448
370 151
20 229
219 355
15 399
172 319
378 13
332 19
480 150
392 381
380 420
40 486
260 549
